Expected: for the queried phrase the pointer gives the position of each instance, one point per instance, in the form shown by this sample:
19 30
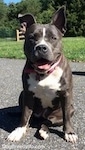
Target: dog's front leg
70 135
17 134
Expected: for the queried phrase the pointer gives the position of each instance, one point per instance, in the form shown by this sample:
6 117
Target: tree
43 11
3 12
30 6
46 13
75 16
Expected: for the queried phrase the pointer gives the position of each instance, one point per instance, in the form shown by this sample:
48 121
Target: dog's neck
39 75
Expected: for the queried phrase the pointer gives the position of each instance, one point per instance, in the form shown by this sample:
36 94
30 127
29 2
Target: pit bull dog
47 77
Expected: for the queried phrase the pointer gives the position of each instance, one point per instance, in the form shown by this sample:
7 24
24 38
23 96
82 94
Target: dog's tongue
45 66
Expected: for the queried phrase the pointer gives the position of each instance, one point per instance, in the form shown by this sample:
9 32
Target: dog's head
43 45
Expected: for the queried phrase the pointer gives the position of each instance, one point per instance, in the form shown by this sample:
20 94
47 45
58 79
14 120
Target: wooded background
43 11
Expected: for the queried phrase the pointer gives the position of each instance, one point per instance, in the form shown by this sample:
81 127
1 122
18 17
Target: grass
74 48
11 49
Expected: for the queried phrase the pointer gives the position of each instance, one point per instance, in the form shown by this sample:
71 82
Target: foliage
43 11
6 32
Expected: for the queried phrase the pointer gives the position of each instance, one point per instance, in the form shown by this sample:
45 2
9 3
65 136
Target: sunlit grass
74 48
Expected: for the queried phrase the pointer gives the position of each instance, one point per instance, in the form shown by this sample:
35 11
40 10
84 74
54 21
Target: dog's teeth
71 138
17 134
43 134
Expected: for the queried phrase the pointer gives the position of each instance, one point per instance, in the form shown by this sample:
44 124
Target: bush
7 32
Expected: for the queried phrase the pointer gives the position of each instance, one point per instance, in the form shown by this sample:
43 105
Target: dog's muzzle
41 50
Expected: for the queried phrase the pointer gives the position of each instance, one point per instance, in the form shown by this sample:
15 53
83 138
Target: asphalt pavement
10 88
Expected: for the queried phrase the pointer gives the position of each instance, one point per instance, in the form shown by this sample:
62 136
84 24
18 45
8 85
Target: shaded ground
10 88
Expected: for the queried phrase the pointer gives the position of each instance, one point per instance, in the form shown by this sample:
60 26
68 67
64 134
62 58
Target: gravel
10 88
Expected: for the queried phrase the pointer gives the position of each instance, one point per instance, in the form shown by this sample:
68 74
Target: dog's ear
26 21
59 19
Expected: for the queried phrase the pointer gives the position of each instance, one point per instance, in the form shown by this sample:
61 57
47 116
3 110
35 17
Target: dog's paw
71 137
43 134
17 134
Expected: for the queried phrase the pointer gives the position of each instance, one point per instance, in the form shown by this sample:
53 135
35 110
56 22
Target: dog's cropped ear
59 19
26 21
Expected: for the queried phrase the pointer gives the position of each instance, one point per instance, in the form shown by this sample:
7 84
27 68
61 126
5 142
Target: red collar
52 68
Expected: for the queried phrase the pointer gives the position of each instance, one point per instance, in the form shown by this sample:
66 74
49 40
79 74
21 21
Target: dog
47 77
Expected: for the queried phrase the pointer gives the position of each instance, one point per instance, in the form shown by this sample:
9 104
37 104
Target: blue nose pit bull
47 77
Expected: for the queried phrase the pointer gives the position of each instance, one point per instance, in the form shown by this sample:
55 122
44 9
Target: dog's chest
46 88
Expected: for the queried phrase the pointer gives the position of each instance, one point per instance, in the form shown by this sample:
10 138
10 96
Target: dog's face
43 41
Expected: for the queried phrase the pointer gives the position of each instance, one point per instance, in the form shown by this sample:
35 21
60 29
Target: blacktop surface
10 88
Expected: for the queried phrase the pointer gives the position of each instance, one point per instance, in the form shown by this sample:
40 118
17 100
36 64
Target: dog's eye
31 36
36 36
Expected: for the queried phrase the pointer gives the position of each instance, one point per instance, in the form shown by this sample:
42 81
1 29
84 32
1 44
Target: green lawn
74 48
11 49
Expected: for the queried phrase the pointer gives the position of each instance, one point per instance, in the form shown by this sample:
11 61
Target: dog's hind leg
54 119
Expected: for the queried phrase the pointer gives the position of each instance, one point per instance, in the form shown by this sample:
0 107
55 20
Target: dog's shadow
78 73
10 118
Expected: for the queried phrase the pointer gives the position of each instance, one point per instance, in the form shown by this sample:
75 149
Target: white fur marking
42 40
46 88
71 138
44 32
17 134
43 134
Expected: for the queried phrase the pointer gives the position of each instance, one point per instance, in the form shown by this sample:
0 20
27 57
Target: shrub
7 32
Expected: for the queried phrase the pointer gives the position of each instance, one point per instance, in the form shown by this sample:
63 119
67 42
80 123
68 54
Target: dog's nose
41 48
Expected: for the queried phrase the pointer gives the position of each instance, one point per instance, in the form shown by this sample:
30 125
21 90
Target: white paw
17 134
71 138
43 134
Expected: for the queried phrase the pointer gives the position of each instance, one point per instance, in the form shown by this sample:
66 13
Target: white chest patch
46 88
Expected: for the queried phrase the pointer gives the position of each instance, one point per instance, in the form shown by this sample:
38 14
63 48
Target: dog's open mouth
43 65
